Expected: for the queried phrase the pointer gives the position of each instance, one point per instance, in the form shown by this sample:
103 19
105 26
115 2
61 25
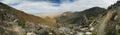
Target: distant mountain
80 17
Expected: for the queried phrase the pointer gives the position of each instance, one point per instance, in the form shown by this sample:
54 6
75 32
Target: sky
56 6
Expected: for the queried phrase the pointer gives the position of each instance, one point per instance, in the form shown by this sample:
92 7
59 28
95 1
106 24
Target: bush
94 33
21 23
118 32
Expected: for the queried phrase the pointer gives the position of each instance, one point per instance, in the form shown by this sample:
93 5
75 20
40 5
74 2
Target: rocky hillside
16 22
81 17
91 21
5 9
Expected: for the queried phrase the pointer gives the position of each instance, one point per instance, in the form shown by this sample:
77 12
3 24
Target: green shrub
94 33
118 31
91 19
21 23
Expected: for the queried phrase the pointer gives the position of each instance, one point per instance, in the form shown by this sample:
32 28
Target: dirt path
101 27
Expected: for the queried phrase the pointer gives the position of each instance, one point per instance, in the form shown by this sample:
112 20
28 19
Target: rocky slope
91 21
16 22
21 15
80 18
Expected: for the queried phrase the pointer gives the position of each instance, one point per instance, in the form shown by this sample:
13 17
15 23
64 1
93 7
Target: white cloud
85 4
46 7
11 1
36 7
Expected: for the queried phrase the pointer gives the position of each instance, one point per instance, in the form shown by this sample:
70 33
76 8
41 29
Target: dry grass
49 18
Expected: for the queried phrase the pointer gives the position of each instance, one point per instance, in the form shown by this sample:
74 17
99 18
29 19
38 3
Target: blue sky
56 6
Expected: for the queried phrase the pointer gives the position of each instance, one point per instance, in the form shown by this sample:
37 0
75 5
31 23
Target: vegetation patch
94 33
21 23
118 31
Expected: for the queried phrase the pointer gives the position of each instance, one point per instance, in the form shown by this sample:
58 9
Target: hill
5 9
80 17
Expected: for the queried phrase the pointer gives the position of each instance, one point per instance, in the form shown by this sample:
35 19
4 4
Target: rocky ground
93 21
